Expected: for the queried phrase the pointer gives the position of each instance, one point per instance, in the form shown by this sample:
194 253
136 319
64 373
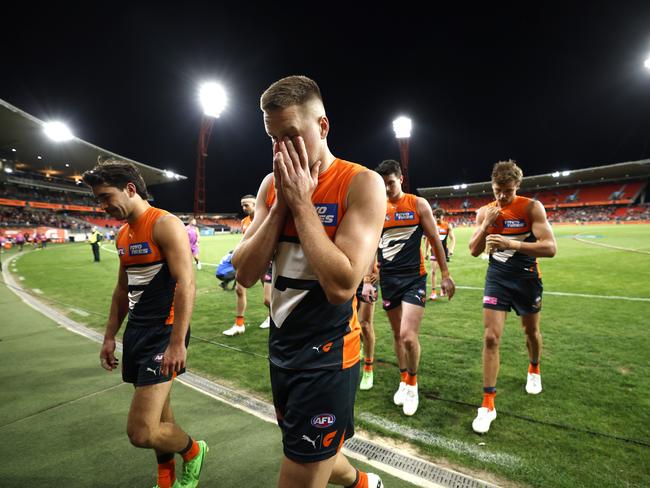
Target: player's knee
491 339
139 436
366 328
409 339
240 290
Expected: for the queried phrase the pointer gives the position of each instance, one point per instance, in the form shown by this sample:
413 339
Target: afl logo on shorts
323 420
158 357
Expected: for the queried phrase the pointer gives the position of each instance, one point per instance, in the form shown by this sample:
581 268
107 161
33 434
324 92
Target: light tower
213 100
402 127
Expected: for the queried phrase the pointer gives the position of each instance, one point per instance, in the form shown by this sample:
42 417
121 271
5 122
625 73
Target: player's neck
397 198
326 159
139 208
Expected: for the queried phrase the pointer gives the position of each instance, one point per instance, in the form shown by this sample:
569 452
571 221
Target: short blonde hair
289 91
504 172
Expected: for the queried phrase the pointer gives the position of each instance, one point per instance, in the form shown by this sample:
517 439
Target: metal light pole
402 127
213 99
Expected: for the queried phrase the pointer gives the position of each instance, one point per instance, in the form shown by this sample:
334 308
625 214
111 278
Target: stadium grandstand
41 193
602 194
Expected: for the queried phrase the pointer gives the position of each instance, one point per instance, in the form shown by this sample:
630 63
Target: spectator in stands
94 240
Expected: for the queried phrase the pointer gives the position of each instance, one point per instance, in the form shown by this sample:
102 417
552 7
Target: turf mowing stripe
580 295
64 404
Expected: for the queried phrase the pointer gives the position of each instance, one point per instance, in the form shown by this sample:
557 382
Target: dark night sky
555 85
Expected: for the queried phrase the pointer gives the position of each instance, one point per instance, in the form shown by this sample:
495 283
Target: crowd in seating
12 191
27 217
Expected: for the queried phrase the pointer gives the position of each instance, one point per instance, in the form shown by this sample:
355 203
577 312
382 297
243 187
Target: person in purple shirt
193 235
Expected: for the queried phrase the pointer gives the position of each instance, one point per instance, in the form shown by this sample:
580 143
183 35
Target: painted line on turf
232 398
609 246
579 295
438 441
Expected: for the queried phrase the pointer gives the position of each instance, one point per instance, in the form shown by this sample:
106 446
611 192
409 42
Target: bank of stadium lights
557 174
57 131
402 127
460 187
171 175
213 99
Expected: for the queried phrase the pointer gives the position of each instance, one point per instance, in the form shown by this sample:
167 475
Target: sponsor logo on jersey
139 249
387 218
328 213
404 215
514 224
323 420
120 251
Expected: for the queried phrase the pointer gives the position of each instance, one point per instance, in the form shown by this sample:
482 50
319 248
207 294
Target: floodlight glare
402 127
463 186
456 187
566 173
168 173
555 174
213 99
57 131
646 63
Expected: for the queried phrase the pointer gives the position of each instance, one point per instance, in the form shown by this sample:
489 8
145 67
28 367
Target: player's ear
324 125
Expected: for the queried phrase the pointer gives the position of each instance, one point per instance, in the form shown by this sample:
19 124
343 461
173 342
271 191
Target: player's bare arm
485 217
428 222
339 265
253 254
544 247
119 309
169 234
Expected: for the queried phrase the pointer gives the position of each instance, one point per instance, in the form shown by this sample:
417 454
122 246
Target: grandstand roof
631 170
24 133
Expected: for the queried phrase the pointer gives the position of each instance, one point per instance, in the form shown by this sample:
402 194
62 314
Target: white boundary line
609 246
95 336
578 295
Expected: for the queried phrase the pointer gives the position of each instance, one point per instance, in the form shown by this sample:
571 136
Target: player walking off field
319 219
155 288
515 232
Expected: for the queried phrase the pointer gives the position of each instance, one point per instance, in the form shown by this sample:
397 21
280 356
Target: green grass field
589 427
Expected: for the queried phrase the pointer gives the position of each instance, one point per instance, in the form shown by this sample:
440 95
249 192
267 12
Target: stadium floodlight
402 127
13 149
566 173
213 99
9 170
456 187
555 174
57 131
646 63
463 186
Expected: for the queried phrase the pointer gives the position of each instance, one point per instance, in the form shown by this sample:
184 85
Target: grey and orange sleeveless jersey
400 250
308 332
151 287
514 222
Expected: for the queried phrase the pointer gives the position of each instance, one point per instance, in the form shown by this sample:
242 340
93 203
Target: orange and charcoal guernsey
514 222
400 252
308 332
151 287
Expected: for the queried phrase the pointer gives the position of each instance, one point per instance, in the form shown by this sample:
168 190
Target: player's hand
298 179
369 293
496 242
491 216
107 355
173 359
448 287
277 179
